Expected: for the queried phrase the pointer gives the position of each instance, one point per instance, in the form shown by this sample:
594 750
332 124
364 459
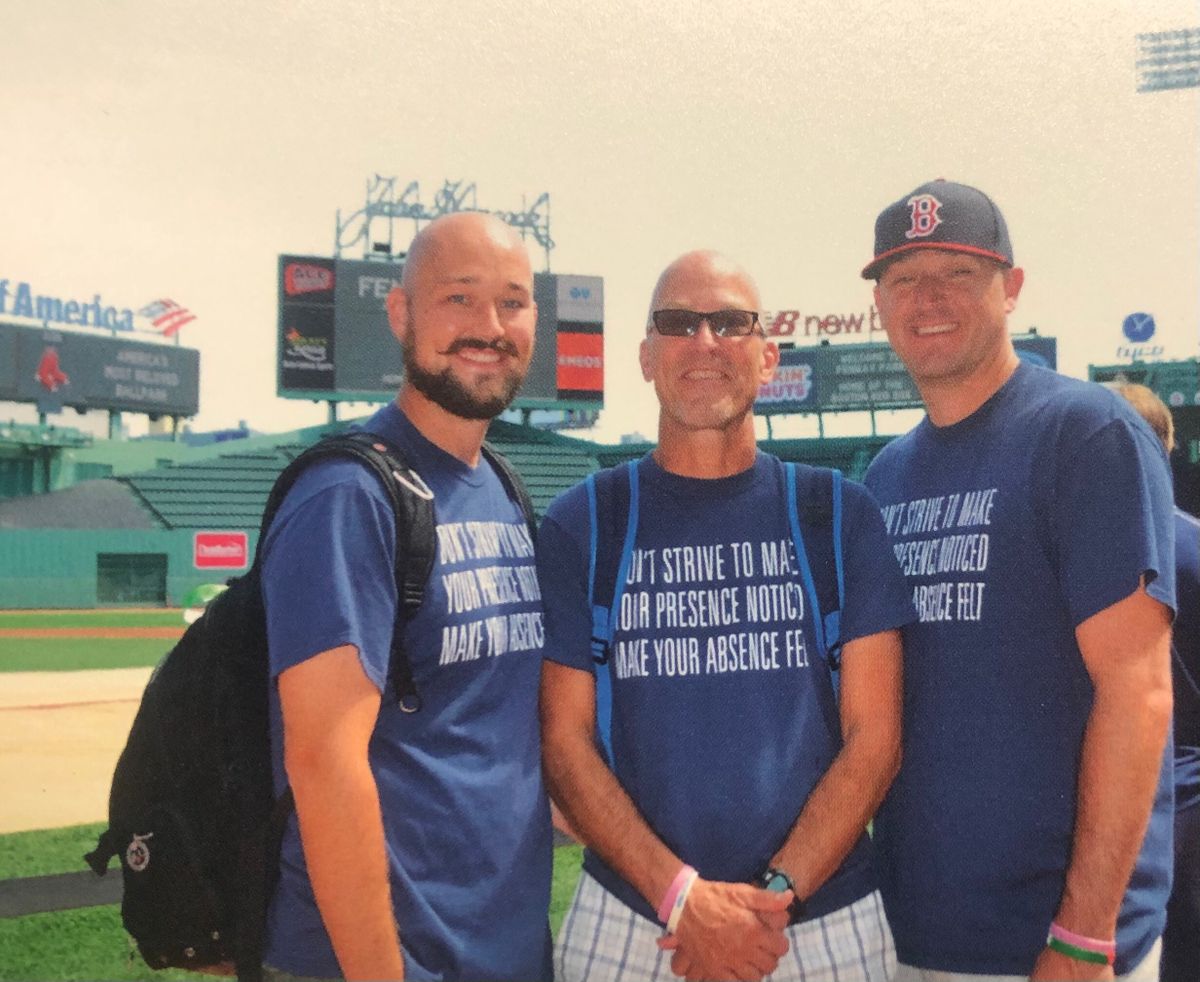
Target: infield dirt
60 736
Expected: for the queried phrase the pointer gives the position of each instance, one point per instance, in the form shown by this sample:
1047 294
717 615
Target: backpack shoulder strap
814 516
412 505
833 619
814 501
514 485
612 503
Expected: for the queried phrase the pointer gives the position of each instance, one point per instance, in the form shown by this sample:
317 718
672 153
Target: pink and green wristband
1081 948
670 909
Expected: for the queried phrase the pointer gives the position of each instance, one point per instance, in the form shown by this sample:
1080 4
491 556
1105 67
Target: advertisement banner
580 365
580 299
306 348
65 368
20 299
221 550
306 324
859 377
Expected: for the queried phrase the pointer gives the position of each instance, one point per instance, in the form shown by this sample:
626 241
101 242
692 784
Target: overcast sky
157 149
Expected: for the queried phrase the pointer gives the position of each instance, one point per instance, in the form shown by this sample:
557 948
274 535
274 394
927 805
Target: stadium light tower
1168 60
374 225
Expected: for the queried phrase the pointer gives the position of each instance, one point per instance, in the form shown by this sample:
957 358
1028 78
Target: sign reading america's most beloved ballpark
56 368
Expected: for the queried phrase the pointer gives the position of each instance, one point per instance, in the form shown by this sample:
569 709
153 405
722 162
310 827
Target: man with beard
734 806
420 847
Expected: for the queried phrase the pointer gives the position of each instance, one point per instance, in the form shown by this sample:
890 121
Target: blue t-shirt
1185 661
1013 526
722 708
460 785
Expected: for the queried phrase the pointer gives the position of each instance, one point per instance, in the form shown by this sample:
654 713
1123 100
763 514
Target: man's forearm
604 817
848 794
838 810
1119 770
341 831
1126 650
329 709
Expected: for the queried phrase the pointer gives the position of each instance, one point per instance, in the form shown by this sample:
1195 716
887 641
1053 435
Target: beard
448 391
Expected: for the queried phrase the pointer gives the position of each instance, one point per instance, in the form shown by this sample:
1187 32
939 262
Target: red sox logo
924 215
49 372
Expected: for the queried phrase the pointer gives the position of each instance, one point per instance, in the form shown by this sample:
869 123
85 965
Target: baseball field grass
33 641
76 654
91 944
141 617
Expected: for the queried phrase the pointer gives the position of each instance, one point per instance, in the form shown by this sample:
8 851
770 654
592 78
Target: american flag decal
167 316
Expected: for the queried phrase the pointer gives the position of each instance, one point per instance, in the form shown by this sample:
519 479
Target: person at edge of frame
1028 833
1181 938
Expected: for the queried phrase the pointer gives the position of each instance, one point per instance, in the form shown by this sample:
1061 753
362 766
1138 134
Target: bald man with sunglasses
726 840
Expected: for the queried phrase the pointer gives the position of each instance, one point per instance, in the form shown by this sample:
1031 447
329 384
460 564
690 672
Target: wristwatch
776 880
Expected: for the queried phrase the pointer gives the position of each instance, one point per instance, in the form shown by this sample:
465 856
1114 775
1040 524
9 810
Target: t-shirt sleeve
1112 515
562 575
877 596
328 577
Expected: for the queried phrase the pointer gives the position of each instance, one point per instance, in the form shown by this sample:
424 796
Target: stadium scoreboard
831 378
56 369
335 345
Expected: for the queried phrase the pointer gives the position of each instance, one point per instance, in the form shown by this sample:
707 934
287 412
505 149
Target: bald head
702 273
465 317
445 241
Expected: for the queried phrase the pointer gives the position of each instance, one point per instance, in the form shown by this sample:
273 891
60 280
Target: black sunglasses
686 323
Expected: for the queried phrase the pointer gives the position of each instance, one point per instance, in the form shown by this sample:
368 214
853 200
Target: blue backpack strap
631 525
604 616
599 614
833 619
603 507
806 577
820 520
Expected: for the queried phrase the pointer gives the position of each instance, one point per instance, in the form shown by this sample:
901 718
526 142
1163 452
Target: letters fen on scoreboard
334 342
221 550
859 377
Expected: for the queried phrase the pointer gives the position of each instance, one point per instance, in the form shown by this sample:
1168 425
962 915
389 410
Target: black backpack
192 812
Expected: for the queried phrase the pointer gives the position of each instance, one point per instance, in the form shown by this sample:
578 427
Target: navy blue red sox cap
940 215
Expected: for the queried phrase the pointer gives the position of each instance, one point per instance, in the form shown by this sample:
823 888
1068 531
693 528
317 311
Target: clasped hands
729 931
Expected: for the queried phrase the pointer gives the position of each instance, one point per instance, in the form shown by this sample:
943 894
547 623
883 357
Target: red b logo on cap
924 215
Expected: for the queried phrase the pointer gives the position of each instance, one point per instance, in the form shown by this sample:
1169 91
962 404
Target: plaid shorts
603 940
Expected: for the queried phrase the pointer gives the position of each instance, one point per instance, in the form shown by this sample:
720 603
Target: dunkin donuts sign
221 550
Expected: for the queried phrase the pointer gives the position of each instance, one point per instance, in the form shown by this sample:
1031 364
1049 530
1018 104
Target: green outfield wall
68 568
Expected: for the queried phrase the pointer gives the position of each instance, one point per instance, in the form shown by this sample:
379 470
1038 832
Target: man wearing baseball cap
1029 831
